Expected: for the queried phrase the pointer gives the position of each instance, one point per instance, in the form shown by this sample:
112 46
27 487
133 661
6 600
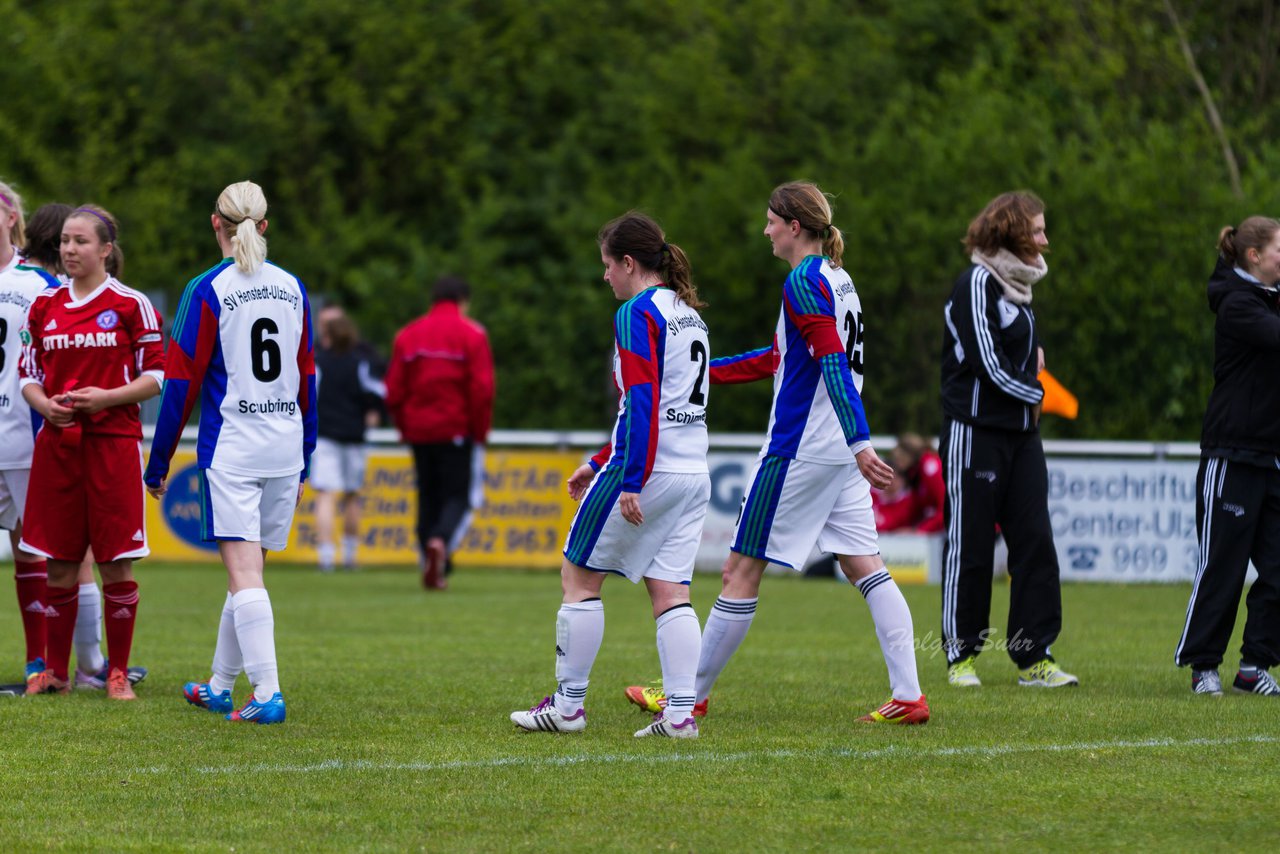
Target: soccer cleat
1206 682
1046 673
963 675
45 682
669 729
544 718
270 712
652 700
199 694
1263 684
119 687
899 712
34 668
98 681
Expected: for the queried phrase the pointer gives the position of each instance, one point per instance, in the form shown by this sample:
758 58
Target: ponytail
833 246
1254 233
678 275
242 208
10 201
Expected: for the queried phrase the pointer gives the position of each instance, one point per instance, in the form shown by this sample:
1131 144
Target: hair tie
111 229
666 247
7 203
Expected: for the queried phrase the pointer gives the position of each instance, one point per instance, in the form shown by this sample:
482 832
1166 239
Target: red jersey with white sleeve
107 340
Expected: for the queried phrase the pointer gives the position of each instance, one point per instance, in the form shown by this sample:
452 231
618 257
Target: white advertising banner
1124 520
1113 520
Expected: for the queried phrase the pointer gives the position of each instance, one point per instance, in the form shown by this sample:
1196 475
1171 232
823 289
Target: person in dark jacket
994 466
440 389
349 400
1238 484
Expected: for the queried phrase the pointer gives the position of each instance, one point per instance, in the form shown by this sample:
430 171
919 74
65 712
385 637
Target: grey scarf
1014 275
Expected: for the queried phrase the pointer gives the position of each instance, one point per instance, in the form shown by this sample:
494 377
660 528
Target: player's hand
629 503
59 412
302 486
1039 360
877 472
1036 411
156 491
580 480
89 399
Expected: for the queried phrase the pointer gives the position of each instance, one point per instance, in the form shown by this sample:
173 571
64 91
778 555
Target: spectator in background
440 388
348 401
994 460
1238 485
915 499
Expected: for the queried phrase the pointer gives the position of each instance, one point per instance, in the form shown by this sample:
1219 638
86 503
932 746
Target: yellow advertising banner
522 520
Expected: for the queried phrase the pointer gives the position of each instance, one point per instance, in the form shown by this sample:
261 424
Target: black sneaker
1264 683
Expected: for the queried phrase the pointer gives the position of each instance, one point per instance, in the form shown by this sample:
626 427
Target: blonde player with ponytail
242 340
812 483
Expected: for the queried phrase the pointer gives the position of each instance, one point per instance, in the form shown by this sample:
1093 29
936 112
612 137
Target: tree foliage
491 138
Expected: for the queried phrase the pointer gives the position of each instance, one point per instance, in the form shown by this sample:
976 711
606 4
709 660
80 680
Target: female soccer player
1238 485
43 250
18 288
92 353
644 496
994 461
813 480
242 339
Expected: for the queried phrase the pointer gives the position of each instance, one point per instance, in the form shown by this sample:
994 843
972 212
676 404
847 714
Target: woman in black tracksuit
1238 485
993 461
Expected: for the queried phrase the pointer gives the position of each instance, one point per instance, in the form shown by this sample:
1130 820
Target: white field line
895 752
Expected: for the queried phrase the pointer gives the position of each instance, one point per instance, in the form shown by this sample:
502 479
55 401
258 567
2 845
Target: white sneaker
544 718
661 726
1206 682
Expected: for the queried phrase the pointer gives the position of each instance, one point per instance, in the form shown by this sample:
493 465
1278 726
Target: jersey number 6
264 352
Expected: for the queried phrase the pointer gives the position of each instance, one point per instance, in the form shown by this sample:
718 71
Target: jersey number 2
698 353
264 352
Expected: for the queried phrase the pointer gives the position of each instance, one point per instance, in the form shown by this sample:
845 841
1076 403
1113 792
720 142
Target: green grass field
398 737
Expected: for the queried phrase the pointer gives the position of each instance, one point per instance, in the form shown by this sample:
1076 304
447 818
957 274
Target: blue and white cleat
199 694
270 712
35 668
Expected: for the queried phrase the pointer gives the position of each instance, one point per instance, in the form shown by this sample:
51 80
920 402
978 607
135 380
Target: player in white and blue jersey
812 482
242 341
644 496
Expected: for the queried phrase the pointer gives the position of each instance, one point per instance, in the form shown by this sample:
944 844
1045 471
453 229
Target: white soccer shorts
254 509
13 496
338 466
664 547
791 504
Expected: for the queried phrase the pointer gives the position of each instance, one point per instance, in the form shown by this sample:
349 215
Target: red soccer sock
32 579
120 604
63 603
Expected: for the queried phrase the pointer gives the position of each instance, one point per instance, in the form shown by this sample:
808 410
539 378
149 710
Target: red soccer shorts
85 494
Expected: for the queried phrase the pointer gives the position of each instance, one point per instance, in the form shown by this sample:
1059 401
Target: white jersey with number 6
246 342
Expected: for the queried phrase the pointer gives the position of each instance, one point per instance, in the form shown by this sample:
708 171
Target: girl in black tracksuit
1238 485
993 461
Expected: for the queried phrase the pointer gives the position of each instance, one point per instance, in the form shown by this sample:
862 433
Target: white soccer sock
892 617
679 645
255 629
726 627
579 631
227 660
88 636
349 551
324 552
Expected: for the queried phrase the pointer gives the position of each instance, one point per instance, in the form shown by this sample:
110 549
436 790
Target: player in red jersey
92 352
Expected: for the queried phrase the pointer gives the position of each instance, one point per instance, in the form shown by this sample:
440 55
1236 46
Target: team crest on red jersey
108 319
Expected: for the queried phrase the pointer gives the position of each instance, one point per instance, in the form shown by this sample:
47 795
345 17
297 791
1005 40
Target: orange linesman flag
1057 400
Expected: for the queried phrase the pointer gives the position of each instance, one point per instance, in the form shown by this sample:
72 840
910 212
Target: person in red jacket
917 502
440 395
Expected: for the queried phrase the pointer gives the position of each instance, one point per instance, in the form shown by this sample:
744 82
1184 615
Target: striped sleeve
191 344
760 364
807 299
975 316
639 337
307 385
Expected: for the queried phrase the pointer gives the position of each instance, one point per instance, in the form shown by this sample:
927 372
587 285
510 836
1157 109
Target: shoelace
541 707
